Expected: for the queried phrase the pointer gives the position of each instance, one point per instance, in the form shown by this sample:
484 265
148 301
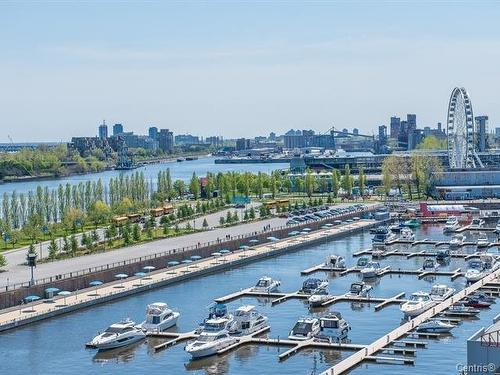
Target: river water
56 346
183 170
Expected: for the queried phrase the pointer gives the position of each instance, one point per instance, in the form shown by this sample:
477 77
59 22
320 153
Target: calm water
183 170
56 346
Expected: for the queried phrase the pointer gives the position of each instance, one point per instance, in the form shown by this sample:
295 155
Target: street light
31 258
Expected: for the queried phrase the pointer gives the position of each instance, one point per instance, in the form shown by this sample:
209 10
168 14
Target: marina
271 349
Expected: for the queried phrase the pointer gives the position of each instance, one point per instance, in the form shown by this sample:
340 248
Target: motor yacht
380 229
266 285
215 310
435 326
159 317
117 335
451 224
412 223
483 296
430 265
476 224
478 301
332 328
476 271
442 254
407 234
319 296
362 262
372 269
457 240
384 237
482 241
378 250
418 303
304 329
309 286
396 227
359 289
247 320
212 339
440 292
461 308
335 261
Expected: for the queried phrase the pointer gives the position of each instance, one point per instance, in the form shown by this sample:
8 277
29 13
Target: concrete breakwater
25 314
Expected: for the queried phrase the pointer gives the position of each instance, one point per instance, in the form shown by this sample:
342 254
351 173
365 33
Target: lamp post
31 258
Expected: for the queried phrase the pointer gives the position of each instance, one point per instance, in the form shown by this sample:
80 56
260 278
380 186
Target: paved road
17 273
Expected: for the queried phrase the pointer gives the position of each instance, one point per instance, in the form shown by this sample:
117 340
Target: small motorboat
461 308
332 328
304 329
484 297
430 265
478 301
418 303
396 227
372 269
359 289
412 223
443 254
309 286
451 224
380 229
214 337
247 320
266 285
378 250
117 335
407 234
318 297
384 238
362 262
476 271
335 261
457 240
159 317
440 292
476 224
482 241
435 326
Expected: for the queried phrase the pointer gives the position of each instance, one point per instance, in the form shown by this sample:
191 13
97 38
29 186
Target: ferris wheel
460 130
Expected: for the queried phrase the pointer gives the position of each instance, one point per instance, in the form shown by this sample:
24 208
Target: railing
200 245
491 339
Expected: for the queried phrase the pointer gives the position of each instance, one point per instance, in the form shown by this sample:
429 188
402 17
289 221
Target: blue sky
241 68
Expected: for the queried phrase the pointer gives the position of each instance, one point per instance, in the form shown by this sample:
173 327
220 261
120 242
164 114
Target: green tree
205 223
335 182
431 142
309 183
251 213
99 213
222 221
179 187
347 181
53 249
361 181
136 233
194 186
73 244
3 260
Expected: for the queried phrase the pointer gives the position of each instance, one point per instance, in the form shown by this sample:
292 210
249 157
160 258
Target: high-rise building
411 119
153 132
382 134
481 129
103 130
272 136
394 127
497 132
166 140
117 129
242 144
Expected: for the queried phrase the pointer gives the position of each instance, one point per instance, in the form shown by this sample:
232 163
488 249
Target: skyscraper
153 132
117 129
481 129
394 128
166 140
103 130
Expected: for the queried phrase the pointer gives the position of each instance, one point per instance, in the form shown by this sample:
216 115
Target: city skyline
206 69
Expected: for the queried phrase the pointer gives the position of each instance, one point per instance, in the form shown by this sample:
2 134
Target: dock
354 360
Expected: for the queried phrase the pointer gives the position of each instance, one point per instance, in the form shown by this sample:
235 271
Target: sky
241 69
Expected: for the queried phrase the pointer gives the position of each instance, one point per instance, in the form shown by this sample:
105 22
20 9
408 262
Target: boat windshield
302 328
262 283
356 288
213 327
206 338
475 265
329 323
372 265
419 297
116 330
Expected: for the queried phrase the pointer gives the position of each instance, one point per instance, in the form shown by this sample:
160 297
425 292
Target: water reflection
118 355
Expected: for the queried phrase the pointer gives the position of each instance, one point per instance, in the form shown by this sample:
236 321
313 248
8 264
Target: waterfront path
25 314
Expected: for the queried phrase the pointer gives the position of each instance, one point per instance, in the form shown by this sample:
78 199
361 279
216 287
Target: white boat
312 285
407 234
378 250
462 308
384 237
418 303
490 262
359 289
451 224
212 339
159 317
476 271
457 240
476 224
497 227
332 328
440 292
430 265
247 320
266 285
118 335
442 254
304 329
435 326
335 261
215 310
482 240
372 269
319 296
